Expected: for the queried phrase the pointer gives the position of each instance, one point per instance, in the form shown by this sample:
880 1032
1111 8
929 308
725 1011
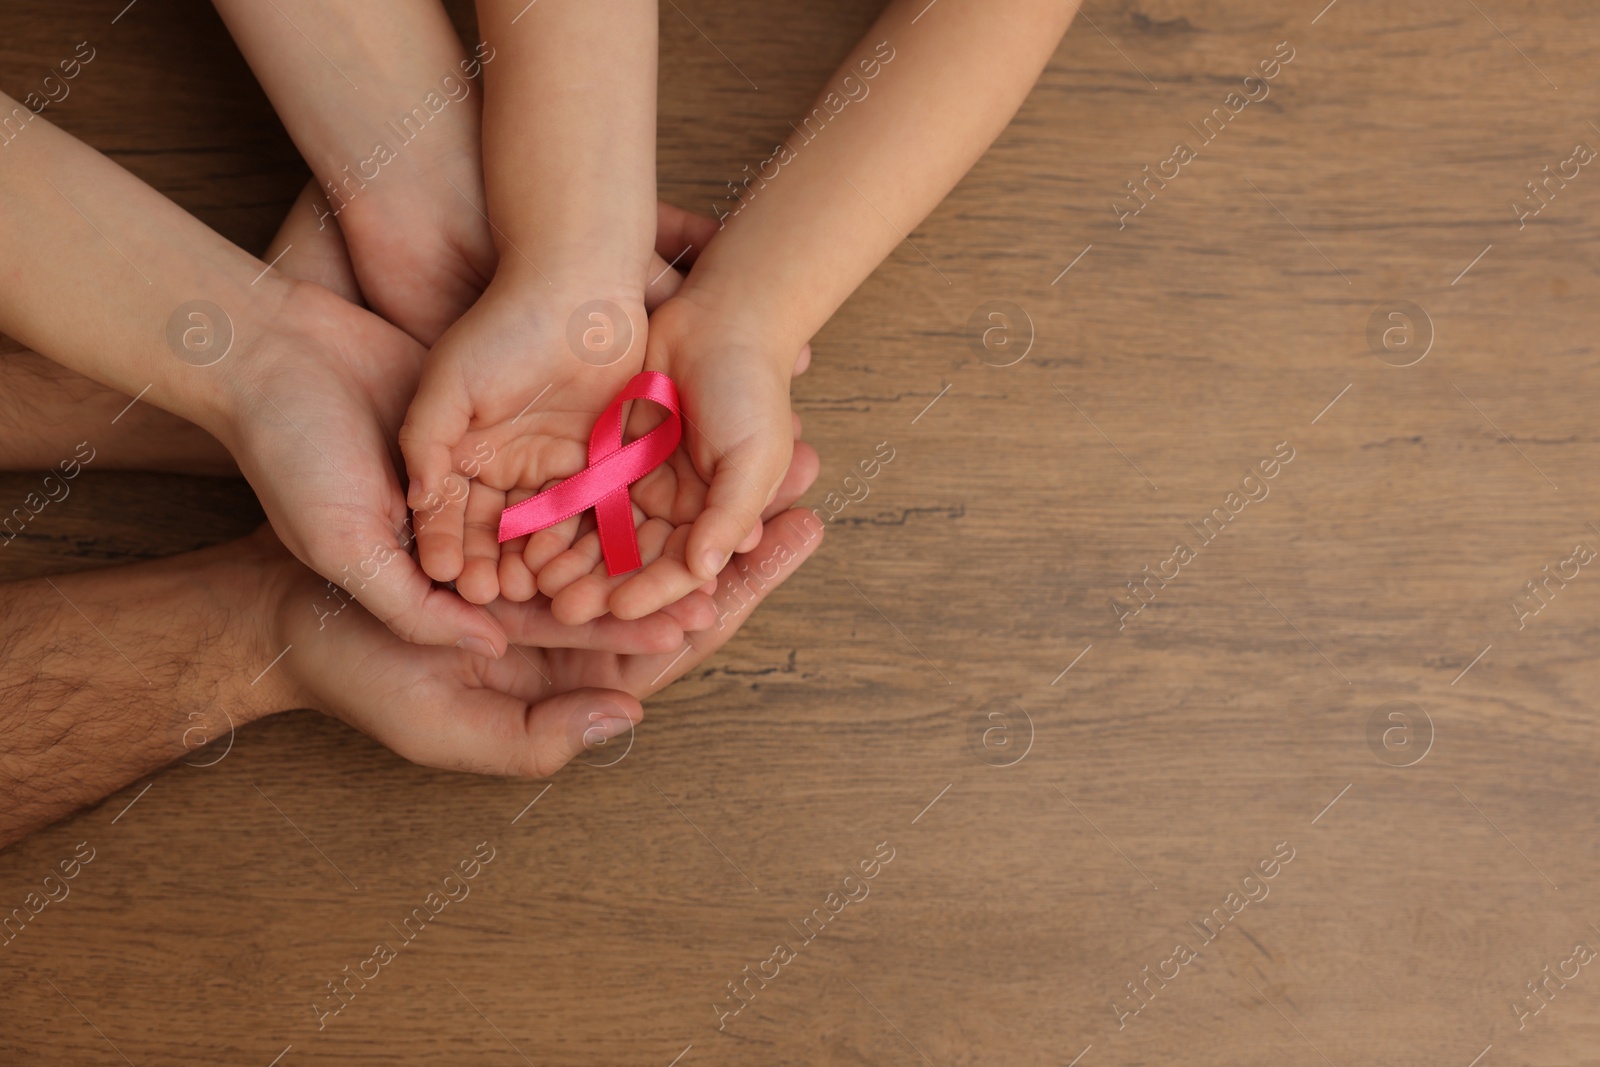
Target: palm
526 713
737 441
325 403
505 408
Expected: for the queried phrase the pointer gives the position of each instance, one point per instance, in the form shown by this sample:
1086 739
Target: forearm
569 141
108 675
371 93
907 114
50 417
96 266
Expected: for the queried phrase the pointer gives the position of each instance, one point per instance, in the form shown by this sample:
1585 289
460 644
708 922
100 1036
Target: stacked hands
477 306
501 407
468 282
510 394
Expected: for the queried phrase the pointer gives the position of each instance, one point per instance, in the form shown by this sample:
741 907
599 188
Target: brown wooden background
1175 754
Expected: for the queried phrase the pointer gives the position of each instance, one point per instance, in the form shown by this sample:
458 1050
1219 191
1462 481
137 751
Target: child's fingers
667 579
570 565
545 545
804 361
659 584
438 419
439 523
479 580
517 582
664 580
786 543
740 491
588 597
550 542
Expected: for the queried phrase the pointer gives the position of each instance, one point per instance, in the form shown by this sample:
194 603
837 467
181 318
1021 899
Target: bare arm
101 671
45 407
94 263
569 170
902 120
105 276
569 135
381 100
911 109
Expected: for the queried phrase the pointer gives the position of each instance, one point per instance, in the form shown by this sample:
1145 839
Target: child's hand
707 501
506 405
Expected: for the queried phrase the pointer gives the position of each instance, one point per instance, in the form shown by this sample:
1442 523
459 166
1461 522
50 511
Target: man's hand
529 713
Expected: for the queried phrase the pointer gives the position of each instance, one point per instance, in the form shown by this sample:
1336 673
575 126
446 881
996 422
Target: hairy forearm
906 115
48 412
569 135
108 675
96 266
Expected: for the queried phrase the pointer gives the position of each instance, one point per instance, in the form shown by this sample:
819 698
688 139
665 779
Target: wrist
549 296
244 584
218 348
278 318
729 319
559 264
276 593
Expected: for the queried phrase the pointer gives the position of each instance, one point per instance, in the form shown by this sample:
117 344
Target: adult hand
529 713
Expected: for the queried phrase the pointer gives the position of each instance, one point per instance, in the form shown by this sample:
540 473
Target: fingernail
714 562
602 728
477 646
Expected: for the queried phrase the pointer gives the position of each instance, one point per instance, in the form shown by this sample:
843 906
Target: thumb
564 727
741 488
663 282
405 600
682 235
484 731
435 424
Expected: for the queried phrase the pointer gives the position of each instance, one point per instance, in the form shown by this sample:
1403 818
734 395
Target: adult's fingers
786 542
561 728
533 624
484 731
664 281
388 582
682 235
319 253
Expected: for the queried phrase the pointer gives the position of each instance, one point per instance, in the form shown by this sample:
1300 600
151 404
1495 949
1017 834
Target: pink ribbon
603 484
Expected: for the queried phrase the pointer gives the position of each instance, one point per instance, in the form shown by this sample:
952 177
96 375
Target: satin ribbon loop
603 484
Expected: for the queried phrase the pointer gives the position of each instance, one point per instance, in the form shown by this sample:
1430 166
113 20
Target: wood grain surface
1056 833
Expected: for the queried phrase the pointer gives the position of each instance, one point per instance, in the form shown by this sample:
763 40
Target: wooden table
1068 790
